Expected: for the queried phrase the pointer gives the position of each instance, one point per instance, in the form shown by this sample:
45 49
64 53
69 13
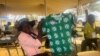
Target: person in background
7 27
1 33
89 29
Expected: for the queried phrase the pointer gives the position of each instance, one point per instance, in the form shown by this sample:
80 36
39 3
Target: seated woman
28 41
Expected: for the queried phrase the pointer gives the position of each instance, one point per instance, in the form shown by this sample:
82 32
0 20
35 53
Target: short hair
9 23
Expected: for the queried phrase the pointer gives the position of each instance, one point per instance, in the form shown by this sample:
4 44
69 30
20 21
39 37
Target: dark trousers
89 43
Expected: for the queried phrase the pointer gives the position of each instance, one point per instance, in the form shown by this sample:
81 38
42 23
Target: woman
28 41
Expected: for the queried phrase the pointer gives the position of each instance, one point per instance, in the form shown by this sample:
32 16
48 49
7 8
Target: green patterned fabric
59 28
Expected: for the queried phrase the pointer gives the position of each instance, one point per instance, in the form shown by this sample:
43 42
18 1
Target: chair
8 42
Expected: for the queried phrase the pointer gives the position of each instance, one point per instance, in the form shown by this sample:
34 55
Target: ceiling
38 6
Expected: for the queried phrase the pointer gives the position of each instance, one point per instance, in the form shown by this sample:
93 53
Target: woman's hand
43 50
48 50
